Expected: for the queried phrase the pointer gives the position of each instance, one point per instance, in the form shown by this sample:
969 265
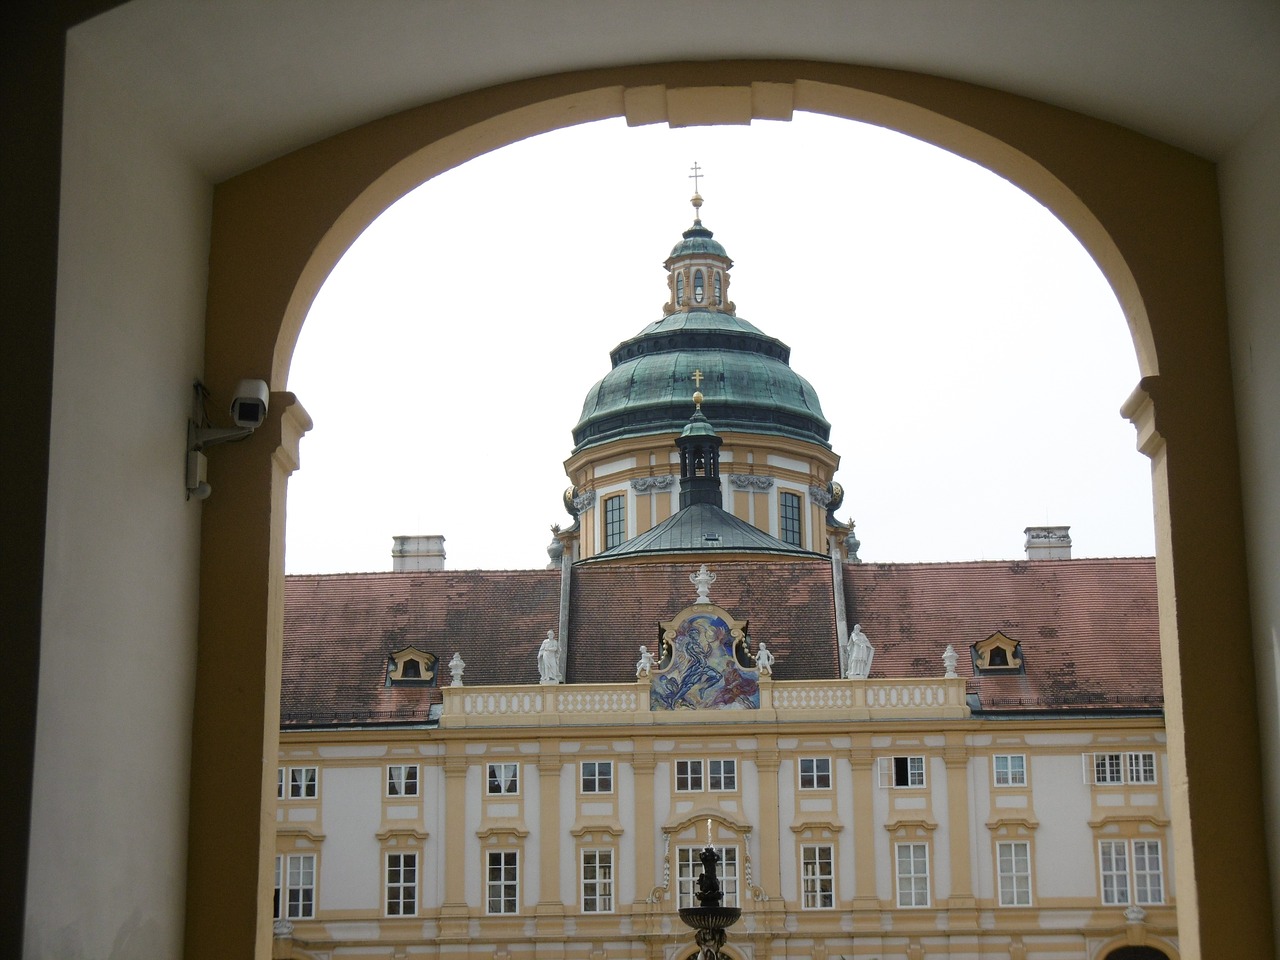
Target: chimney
409 554
1048 543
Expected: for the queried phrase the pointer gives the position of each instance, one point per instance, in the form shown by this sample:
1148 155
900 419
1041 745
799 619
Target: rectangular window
789 519
1113 858
722 774
503 882
300 886
1148 879
1142 768
279 783
402 780
303 783
1111 768
597 881
817 873
597 776
503 778
1010 769
275 906
1013 866
913 874
900 771
615 520
688 775
815 773
402 884
689 868
1107 768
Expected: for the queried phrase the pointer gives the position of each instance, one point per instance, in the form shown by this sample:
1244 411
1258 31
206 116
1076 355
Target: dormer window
997 654
719 291
699 287
411 665
679 289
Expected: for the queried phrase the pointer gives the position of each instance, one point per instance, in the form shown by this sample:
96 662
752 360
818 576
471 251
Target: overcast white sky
969 354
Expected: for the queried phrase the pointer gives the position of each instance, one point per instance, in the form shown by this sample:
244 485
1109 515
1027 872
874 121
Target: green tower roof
746 375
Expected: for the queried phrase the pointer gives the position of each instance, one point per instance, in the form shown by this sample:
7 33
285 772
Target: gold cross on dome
697 172
697 379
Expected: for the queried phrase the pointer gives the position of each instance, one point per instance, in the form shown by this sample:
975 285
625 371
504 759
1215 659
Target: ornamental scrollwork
645 484
820 495
584 501
750 481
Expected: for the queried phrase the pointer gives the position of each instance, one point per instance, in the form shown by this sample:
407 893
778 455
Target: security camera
249 408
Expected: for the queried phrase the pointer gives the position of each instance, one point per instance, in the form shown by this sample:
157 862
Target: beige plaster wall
1251 223
117 670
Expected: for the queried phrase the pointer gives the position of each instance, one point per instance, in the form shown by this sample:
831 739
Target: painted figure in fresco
549 659
703 671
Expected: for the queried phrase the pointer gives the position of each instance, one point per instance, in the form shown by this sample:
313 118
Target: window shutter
884 772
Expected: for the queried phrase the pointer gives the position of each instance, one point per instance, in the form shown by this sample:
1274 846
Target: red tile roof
1087 629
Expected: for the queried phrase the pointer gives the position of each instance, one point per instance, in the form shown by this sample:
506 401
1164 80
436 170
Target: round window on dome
698 286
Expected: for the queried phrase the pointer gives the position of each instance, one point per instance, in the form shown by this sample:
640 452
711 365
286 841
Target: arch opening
264 275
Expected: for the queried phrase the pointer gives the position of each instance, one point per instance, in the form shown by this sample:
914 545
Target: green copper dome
746 378
698 240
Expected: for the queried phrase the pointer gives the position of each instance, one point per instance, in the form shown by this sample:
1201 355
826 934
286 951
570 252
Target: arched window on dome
719 291
679 288
699 290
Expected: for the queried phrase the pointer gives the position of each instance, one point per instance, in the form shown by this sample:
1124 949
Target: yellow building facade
893 760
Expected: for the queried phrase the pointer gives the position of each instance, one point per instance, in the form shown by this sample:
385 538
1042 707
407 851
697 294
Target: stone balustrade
628 703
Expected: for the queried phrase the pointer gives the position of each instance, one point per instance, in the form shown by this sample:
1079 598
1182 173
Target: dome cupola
748 371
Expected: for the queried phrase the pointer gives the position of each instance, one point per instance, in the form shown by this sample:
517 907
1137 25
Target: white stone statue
764 660
703 580
859 654
456 666
949 659
644 665
549 660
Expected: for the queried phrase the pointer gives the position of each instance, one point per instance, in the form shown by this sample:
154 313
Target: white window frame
402 780
279 783
303 783
1131 871
1110 768
1140 767
722 771
915 768
597 874
689 868
1113 868
502 778
599 780
1148 871
1013 873
505 889
401 872
296 886
819 770
688 773
1012 767
817 876
912 883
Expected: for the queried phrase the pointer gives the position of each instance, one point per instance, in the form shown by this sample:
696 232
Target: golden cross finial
697 172
697 379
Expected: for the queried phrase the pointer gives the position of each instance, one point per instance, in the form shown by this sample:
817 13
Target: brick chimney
409 554
1048 543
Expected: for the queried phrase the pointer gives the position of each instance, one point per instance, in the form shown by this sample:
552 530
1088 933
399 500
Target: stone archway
1147 213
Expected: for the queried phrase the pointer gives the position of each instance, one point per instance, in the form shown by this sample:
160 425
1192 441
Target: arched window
719 291
679 289
698 287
